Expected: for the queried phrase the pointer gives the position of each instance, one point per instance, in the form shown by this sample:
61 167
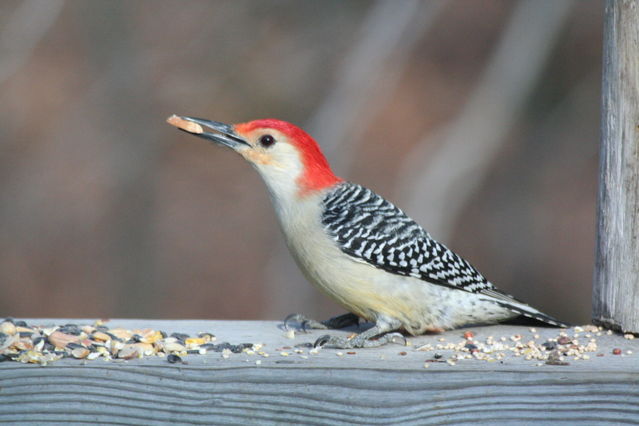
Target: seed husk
80 352
60 339
172 358
8 328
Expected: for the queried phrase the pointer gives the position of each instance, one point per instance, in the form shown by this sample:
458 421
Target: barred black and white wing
373 230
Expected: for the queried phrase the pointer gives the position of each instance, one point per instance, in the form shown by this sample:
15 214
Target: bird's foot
306 324
359 341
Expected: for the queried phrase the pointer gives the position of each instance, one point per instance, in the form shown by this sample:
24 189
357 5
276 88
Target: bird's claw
359 341
305 323
395 338
322 340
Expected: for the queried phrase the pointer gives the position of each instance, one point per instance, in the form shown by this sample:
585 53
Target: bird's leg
339 321
383 329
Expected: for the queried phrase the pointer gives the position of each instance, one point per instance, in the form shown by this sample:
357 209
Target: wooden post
616 283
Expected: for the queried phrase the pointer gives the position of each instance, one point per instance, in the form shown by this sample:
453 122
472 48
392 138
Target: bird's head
288 159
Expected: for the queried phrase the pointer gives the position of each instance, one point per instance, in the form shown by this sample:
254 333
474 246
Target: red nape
317 172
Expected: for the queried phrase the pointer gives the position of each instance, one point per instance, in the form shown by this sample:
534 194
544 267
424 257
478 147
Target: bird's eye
267 140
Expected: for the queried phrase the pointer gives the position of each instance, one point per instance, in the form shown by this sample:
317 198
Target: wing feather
370 228
373 230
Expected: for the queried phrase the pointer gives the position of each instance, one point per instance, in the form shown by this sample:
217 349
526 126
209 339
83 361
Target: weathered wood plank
373 386
616 284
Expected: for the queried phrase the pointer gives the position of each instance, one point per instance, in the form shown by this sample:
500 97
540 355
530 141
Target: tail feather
530 312
507 301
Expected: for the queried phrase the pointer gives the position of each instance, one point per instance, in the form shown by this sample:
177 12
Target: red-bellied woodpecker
357 247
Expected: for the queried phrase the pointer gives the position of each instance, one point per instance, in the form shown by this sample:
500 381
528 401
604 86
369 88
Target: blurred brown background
479 118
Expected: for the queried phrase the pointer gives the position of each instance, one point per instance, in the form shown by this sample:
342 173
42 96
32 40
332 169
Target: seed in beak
182 124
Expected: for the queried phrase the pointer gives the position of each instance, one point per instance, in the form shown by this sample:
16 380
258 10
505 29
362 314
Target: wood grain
373 386
616 284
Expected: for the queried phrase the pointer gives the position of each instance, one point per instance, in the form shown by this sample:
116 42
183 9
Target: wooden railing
283 383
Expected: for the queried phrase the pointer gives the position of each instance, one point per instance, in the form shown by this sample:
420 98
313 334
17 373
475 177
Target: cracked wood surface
387 385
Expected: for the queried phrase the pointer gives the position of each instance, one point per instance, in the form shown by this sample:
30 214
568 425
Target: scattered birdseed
129 352
172 358
26 343
208 337
290 334
554 358
425 348
194 341
8 327
553 351
80 352
44 344
173 347
564 340
472 348
60 339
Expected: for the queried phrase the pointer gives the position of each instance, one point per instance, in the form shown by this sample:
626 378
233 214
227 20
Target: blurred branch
23 30
369 73
436 192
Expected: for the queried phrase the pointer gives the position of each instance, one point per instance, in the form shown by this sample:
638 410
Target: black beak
225 135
